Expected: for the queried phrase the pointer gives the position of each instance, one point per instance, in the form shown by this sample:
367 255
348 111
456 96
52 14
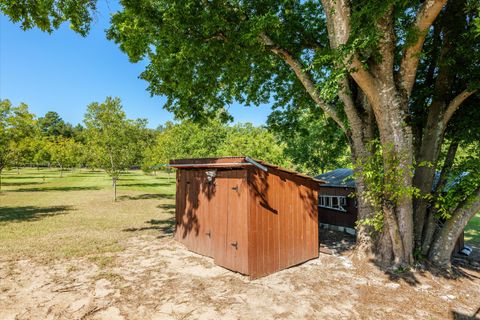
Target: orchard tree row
108 140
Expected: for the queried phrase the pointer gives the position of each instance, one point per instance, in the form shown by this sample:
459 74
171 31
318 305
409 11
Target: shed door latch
234 244
208 234
235 188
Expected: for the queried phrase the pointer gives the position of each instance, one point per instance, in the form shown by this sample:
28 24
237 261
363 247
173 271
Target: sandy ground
157 278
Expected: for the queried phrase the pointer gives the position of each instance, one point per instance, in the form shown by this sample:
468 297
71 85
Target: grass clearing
47 216
472 231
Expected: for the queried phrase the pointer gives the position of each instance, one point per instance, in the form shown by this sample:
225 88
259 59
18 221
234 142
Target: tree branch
338 24
304 77
383 69
447 166
455 104
468 208
425 18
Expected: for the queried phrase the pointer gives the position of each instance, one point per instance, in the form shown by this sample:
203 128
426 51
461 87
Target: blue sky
64 72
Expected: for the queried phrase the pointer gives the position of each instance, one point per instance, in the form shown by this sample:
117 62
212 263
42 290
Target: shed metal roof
231 162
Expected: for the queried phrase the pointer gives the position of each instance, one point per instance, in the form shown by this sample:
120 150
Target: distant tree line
108 140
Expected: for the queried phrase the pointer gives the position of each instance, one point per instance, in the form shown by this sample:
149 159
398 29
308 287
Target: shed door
230 220
193 222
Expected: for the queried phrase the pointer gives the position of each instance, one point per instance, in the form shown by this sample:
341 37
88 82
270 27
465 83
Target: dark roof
451 182
232 162
342 177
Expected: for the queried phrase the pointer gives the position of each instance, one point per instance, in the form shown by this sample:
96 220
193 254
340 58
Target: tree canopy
213 139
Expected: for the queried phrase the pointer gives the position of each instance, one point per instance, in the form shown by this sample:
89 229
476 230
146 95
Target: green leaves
382 173
312 141
17 126
463 180
213 139
48 15
114 140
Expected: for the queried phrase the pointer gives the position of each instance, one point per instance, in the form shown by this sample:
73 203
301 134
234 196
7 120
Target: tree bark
438 116
425 172
431 225
425 18
442 248
397 142
114 183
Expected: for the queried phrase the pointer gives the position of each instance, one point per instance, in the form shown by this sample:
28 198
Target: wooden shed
249 216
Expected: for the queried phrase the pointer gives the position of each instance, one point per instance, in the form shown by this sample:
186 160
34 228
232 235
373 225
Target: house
337 207
249 216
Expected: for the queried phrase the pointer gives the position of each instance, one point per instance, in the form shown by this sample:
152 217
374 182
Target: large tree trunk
425 172
397 147
442 248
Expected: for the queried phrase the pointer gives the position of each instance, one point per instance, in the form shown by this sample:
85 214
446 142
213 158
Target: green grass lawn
472 231
47 216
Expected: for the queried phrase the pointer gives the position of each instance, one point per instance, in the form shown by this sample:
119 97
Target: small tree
16 126
41 151
114 138
63 152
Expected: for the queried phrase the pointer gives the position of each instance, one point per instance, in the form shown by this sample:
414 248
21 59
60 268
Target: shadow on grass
12 184
167 207
55 189
165 226
146 196
154 184
15 177
31 213
172 177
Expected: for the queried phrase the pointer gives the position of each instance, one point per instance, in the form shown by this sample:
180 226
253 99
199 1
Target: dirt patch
157 278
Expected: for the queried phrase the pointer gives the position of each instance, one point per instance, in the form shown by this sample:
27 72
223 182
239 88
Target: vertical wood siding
249 221
283 209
